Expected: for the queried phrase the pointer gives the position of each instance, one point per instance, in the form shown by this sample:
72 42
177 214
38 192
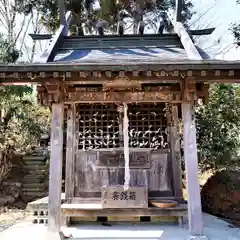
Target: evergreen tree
236 30
89 12
218 124
22 121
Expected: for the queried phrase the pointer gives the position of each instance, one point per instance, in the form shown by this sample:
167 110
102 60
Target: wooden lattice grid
99 126
147 126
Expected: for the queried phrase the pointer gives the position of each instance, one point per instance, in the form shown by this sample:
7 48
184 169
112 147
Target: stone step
34 158
34 185
35 194
32 190
33 162
35 167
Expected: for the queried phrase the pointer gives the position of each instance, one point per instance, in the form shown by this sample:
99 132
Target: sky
209 13
219 14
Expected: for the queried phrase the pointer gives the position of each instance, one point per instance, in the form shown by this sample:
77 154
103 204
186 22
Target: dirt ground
10 215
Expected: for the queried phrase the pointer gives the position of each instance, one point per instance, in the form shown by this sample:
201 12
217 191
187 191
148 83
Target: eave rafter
108 86
98 77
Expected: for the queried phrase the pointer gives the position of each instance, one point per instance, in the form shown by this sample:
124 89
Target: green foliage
8 52
21 125
22 121
236 33
218 125
235 28
84 11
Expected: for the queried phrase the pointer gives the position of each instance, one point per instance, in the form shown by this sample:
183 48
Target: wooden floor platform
93 211
96 210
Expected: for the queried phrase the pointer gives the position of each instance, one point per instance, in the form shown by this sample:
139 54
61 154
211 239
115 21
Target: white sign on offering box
117 197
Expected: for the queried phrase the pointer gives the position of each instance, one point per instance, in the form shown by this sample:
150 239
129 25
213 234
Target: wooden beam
97 211
55 171
70 151
49 52
141 27
185 39
94 97
187 42
201 32
231 67
179 7
191 164
70 154
40 36
120 28
61 4
175 153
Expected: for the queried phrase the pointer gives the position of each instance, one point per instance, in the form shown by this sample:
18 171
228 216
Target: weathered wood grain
179 7
185 39
86 97
80 210
48 54
175 153
116 159
116 197
70 151
55 171
191 164
89 178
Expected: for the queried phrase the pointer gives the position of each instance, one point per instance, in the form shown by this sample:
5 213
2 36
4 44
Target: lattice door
99 126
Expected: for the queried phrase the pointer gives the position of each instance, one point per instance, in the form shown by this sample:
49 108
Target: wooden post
55 171
175 154
62 12
191 165
179 6
70 151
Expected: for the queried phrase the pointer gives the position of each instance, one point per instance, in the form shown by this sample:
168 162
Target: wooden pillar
61 4
179 6
55 171
70 151
175 153
191 164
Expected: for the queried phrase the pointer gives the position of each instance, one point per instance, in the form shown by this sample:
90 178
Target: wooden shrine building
122 98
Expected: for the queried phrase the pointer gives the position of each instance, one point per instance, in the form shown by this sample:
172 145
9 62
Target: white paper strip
126 147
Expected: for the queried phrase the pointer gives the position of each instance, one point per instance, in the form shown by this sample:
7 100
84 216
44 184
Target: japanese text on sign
123 196
117 197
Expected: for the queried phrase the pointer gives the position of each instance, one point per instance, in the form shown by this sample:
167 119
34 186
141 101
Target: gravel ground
10 216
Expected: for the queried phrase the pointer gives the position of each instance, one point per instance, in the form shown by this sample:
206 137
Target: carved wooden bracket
189 90
121 84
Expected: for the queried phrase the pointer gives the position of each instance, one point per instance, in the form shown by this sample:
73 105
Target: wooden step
96 210
162 219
